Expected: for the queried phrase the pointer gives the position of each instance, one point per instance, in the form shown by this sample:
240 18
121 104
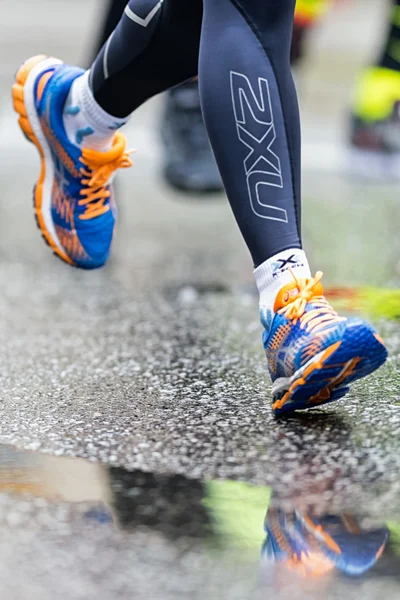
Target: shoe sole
191 188
24 106
328 376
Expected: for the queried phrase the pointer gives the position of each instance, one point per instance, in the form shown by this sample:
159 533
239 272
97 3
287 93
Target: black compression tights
113 14
241 50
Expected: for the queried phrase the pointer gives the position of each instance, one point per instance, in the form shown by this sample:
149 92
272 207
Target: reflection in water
170 504
315 546
219 515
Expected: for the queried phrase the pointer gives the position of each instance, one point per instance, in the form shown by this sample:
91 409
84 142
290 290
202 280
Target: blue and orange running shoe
316 546
313 353
351 549
73 197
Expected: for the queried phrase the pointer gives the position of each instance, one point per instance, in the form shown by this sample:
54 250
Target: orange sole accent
325 394
329 541
20 109
380 551
380 340
303 379
351 524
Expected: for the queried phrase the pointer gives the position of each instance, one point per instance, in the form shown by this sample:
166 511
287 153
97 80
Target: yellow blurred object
239 511
376 92
375 302
308 11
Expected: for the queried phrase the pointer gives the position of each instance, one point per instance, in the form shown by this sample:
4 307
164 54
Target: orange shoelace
100 168
317 318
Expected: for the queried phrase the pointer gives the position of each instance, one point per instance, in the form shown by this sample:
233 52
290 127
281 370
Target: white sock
273 274
86 123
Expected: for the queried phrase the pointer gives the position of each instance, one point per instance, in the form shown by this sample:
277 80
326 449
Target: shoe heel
18 96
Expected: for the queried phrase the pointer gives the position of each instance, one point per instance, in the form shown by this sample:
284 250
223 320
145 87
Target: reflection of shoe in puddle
315 546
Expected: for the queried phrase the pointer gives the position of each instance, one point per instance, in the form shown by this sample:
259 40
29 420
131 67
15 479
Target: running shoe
189 164
73 198
313 353
315 546
351 549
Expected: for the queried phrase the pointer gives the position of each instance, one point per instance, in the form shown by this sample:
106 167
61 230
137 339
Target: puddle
70 528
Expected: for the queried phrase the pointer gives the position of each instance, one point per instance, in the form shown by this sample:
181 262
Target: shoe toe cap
95 239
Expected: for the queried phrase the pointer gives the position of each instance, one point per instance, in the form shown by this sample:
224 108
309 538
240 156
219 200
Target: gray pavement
154 365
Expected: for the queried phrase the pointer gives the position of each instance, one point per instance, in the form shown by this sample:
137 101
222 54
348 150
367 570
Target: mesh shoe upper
303 326
82 205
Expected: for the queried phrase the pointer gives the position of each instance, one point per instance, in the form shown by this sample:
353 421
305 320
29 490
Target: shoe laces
96 174
320 316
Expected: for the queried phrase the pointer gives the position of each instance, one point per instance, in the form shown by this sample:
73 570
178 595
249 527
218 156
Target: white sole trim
283 383
30 106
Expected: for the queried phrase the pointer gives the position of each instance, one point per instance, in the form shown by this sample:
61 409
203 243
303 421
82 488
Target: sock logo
82 133
284 264
256 130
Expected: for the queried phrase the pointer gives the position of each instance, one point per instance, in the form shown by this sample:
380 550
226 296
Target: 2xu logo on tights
256 130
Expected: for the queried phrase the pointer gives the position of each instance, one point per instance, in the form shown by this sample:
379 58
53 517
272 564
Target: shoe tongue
97 158
289 292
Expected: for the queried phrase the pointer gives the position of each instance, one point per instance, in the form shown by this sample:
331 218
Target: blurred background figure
375 124
374 137
308 12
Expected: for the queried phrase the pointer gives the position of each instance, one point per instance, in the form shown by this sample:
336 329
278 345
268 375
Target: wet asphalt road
155 365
